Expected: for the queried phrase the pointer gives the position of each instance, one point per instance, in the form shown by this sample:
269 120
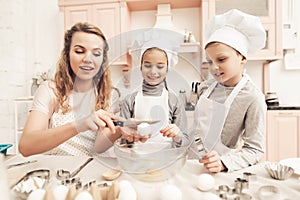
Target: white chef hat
241 31
167 40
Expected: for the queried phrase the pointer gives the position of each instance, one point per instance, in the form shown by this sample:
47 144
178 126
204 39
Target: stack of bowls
272 99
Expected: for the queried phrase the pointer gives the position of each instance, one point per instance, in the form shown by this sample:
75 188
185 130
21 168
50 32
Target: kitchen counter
185 180
284 107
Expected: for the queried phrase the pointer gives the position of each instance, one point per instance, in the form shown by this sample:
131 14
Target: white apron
153 108
81 144
211 117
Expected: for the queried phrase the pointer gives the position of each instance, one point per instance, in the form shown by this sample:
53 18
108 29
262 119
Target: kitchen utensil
62 174
20 164
279 171
189 106
4 147
111 174
193 95
268 192
293 163
133 122
151 161
33 180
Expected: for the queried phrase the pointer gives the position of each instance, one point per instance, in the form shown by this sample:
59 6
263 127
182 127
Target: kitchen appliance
271 99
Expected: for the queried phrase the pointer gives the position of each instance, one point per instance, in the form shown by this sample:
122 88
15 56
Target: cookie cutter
33 180
241 184
249 176
62 174
268 192
235 193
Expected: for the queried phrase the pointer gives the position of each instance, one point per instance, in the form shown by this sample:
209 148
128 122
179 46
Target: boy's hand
212 162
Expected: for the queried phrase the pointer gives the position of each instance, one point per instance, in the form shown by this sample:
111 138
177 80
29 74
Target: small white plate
293 163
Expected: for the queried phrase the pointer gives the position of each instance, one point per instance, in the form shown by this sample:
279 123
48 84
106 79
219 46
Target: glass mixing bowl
152 160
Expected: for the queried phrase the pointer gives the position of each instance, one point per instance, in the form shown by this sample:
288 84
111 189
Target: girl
154 101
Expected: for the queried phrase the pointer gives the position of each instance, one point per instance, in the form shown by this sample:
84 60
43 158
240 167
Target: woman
79 103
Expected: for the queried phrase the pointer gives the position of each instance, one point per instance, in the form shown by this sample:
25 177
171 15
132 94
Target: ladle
62 174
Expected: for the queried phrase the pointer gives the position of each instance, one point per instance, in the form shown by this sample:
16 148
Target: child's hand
212 162
172 131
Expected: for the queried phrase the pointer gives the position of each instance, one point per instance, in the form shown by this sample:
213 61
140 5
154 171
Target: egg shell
170 192
206 182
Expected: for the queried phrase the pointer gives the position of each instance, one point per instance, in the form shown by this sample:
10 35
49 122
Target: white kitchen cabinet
111 16
269 12
18 127
283 134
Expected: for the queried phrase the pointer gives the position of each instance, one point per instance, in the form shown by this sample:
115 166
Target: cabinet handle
286 113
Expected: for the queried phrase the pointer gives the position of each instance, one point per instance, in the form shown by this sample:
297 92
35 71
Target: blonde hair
64 76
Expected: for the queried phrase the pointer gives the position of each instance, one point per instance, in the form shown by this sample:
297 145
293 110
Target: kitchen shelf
189 47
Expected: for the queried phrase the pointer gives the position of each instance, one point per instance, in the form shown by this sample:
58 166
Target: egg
60 192
84 196
37 194
127 192
144 129
206 182
170 192
210 196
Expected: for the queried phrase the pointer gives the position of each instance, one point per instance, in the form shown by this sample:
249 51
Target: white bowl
279 171
150 161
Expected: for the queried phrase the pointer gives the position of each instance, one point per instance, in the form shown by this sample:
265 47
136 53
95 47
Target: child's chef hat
241 31
167 40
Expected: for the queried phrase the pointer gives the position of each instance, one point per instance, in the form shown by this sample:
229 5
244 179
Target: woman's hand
172 131
212 162
96 120
131 134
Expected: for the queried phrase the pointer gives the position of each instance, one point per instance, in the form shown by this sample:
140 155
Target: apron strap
236 89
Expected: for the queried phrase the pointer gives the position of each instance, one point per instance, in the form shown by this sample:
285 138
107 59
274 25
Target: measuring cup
62 174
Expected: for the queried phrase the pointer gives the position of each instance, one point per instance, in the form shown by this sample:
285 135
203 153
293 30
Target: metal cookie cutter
268 192
249 176
241 183
228 193
33 180
62 174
